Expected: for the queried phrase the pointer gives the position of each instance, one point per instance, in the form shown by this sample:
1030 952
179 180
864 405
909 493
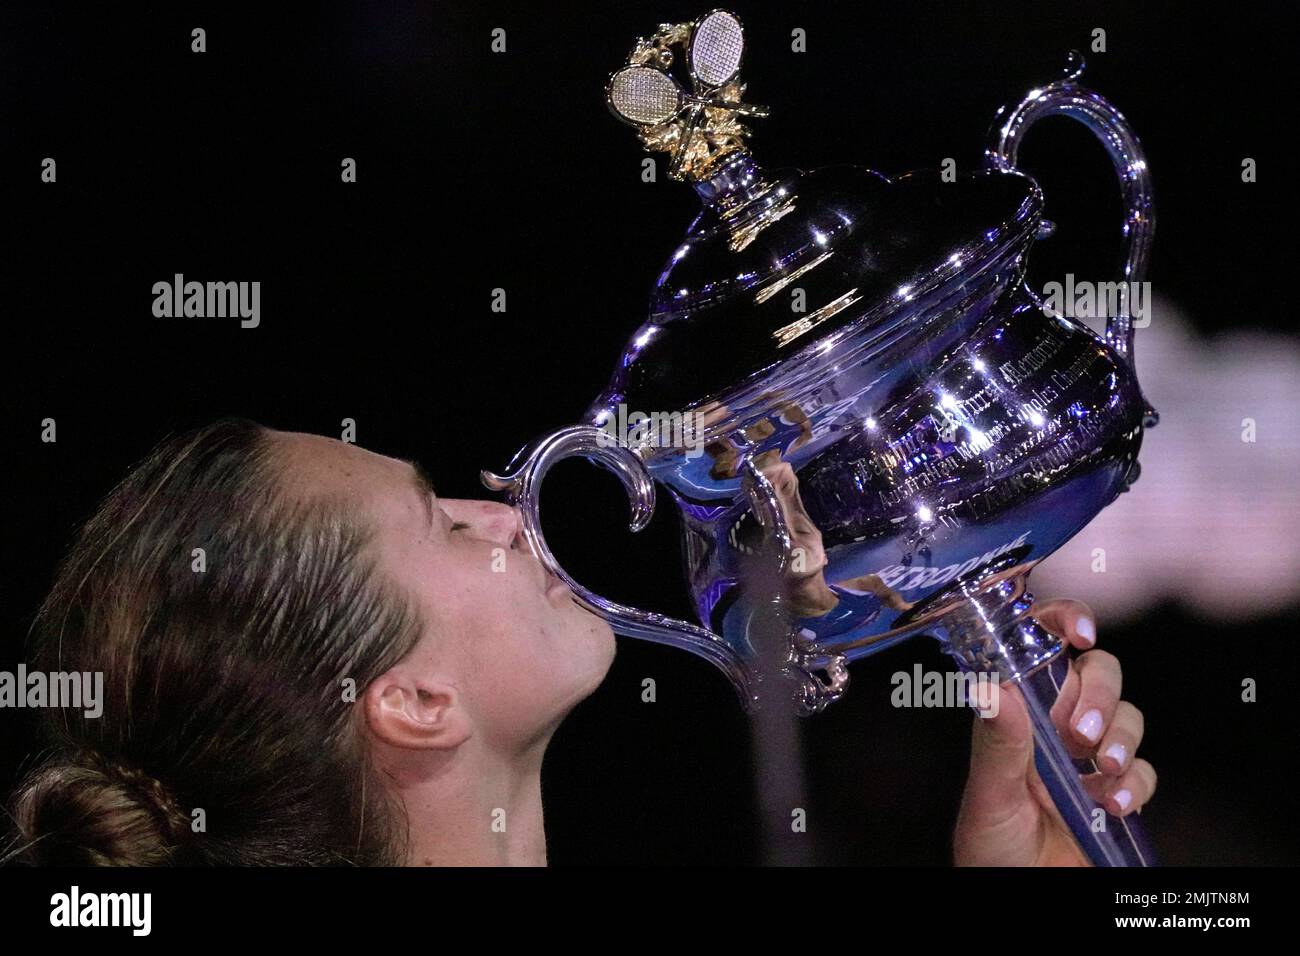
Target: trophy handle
522 488
1066 98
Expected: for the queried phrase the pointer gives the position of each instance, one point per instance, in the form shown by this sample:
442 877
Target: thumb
1002 751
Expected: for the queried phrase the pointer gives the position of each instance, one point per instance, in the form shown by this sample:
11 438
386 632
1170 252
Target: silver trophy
892 459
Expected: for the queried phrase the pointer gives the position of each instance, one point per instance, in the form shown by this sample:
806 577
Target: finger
1127 794
1120 742
1066 698
1084 711
1002 751
1071 620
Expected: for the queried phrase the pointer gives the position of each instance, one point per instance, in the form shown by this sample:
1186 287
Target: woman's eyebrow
423 486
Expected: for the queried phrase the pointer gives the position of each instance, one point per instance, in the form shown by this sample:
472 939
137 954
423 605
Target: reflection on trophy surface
902 450
804 584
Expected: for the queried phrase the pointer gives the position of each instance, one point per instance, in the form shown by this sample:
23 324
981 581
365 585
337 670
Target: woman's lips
557 590
552 586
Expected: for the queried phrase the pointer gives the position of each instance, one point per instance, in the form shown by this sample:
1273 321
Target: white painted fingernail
1090 724
1117 752
1123 798
1086 629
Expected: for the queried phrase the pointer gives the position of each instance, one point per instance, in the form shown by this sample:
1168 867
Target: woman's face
510 638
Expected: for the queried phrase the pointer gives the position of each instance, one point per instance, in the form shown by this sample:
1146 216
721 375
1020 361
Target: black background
479 170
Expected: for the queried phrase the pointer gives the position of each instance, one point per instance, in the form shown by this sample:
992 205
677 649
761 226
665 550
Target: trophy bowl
872 428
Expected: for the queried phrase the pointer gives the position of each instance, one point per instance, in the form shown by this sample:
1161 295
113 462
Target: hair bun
96 814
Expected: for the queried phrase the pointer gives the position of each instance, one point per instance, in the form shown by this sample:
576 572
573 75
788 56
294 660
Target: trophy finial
697 128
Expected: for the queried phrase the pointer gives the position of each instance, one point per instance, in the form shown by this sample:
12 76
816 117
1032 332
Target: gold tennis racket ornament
697 127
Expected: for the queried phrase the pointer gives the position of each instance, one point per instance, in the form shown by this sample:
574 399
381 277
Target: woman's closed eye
452 523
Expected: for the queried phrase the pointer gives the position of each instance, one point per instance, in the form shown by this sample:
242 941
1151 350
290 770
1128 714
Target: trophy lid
783 272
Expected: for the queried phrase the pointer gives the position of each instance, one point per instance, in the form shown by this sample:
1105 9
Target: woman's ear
415 713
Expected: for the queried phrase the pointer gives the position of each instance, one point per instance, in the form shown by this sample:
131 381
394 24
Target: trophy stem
735 173
991 631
